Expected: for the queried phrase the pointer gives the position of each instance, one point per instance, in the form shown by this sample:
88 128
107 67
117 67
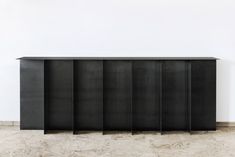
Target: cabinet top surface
117 58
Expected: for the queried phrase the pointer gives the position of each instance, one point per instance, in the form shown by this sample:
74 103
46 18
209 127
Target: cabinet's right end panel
203 95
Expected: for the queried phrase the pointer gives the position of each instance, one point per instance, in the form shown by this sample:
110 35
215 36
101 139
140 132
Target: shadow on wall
223 96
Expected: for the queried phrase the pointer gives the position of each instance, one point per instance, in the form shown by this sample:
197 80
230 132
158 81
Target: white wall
117 28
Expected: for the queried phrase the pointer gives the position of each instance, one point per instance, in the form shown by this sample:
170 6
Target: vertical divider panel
45 97
131 90
160 96
189 96
103 97
186 93
73 100
103 107
163 97
75 96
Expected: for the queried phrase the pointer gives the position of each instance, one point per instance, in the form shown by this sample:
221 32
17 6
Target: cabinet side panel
146 88
117 95
203 95
88 96
31 94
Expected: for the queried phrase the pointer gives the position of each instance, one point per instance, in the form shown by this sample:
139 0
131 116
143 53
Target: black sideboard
118 93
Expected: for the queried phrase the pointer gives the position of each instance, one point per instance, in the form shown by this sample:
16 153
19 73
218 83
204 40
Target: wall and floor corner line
17 123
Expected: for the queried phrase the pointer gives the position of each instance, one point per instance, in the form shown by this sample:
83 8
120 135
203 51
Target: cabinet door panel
59 94
146 95
88 95
117 95
175 96
203 109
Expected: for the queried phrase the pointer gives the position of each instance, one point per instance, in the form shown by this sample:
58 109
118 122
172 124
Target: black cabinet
123 94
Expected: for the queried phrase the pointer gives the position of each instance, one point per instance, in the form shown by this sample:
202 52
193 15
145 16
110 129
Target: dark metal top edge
118 58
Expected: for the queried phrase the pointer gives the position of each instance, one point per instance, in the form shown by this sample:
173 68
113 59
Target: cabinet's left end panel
31 94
